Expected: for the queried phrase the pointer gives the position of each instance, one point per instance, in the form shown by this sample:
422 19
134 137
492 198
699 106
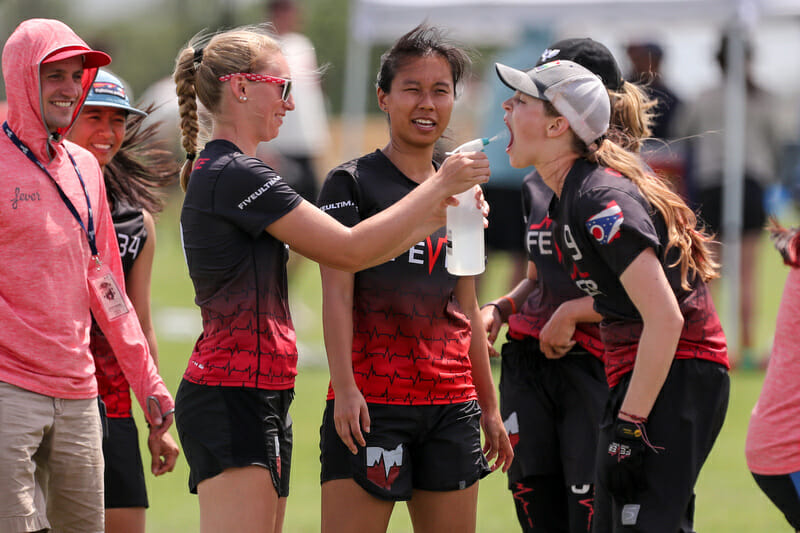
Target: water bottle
465 251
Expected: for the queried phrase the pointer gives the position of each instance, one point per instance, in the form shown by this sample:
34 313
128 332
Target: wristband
500 311
513 305
635 418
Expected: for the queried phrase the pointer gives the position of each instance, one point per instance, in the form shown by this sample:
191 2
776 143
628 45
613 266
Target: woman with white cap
552 382
110 128
631 243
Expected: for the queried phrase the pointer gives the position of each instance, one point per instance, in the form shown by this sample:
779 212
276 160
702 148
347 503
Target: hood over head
36 41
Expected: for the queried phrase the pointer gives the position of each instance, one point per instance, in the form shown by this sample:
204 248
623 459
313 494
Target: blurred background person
703 120
645 58
304 135
506 232
110 128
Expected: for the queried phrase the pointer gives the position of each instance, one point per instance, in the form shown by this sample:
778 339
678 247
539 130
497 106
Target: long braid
184 77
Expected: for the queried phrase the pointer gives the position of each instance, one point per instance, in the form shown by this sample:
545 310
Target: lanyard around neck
88 228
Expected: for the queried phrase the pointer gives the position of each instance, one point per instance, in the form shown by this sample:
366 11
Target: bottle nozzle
477 145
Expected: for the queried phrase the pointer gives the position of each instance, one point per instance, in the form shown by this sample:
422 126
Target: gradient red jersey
410 338
238 271
603 223
553 284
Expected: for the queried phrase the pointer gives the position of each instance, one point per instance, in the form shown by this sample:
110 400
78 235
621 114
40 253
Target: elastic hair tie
191 156
198 58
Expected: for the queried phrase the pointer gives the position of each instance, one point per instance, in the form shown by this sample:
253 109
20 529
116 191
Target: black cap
589 54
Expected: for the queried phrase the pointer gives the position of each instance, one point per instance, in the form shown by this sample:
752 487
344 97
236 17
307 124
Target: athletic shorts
551 409
754 215
233 427
784 492
506 229
124 472
685 421
426 447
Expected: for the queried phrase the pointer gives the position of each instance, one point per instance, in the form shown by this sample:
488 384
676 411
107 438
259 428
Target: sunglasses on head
264 78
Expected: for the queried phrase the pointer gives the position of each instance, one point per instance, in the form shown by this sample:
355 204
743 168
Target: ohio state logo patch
605 225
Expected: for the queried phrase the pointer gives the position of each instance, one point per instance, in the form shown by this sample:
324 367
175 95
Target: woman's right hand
463 171
492 321
351 415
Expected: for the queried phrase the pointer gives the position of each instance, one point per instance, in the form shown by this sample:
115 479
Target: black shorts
784 492
754 215
427 447
685 420
506 229
231 427
551 409
124 471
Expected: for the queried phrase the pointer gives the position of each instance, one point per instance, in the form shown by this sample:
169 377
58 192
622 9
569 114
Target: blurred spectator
704 121
646 70
645 58
506 231
304 134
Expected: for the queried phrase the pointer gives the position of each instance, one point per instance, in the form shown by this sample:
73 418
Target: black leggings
542 503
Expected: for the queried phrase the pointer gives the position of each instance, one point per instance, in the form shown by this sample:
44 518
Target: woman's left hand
164 453
555 339
496 444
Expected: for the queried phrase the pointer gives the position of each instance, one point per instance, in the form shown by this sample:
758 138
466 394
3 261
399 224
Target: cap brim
518 80
129 109
92 58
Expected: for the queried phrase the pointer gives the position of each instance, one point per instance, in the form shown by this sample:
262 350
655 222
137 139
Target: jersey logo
383 466
549 54
605 225
512 428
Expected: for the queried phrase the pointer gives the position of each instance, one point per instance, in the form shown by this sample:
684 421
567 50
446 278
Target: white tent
499 22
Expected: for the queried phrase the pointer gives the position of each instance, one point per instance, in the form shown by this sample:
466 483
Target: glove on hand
786 241
622 466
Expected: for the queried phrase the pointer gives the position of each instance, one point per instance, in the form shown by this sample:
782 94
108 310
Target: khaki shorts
51 463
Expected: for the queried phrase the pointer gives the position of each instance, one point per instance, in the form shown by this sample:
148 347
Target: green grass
728 499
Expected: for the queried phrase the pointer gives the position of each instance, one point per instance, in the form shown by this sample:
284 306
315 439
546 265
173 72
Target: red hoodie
45 300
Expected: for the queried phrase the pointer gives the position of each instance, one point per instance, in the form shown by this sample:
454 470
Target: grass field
728 499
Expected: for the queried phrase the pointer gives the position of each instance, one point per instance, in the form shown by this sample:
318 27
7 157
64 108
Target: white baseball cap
575 92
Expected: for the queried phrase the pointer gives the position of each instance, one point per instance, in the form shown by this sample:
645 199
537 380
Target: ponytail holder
190 157
198 58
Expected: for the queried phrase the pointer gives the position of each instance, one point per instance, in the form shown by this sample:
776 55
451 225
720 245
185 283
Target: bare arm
351 414
496 441
163 449
649 290
385 235
493 318
555 338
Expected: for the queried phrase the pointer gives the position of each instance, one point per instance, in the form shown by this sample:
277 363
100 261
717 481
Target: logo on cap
104 87
549 54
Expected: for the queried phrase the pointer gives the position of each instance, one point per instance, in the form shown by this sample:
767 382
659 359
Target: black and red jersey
111 383
553 285
238 271
602 224
410 338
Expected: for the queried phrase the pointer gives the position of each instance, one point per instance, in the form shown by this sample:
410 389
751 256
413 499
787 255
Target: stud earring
242 98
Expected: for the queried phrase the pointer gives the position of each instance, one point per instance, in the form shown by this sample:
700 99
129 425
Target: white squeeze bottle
465 248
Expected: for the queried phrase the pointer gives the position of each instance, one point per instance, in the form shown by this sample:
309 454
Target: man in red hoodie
59 266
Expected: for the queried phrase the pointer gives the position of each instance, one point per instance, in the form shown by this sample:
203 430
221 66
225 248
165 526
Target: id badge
107 291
